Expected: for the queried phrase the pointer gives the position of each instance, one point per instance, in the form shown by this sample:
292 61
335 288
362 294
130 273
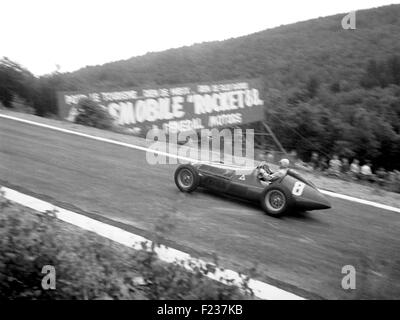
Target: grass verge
88 266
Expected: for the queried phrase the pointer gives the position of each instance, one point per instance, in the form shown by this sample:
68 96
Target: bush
92 114
88 266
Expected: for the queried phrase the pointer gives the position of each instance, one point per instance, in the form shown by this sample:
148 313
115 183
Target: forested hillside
327 89
284 57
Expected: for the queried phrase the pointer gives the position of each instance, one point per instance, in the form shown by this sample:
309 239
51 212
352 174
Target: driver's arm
269 177
264 175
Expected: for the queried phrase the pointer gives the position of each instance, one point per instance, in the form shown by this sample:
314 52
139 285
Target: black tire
276 200
186 178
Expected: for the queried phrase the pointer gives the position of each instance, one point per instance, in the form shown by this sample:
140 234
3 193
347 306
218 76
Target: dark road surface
303 253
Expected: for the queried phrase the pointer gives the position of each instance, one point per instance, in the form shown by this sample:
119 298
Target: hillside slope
283 56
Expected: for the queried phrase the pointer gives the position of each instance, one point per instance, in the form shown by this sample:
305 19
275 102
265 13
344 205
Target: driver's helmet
284 163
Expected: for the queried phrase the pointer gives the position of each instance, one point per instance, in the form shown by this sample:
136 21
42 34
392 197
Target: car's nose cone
323 204
314 201
320 202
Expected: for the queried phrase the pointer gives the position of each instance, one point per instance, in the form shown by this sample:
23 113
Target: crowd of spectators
356 171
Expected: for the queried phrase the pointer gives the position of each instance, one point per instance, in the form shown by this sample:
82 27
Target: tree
372 77
393 70
93 115
312 86
14 80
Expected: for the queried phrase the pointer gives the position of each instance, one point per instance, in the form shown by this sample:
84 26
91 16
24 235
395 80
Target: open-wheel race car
277 197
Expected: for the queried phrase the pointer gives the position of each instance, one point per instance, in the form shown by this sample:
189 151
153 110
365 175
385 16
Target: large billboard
176 108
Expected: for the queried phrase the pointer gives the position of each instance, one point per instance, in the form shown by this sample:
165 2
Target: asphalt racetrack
302 253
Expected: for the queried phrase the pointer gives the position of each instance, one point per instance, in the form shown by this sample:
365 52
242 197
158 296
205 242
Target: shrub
92 114
88 266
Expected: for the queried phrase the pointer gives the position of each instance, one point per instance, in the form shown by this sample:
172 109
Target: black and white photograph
199 157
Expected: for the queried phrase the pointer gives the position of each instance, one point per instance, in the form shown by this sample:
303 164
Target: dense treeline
17 84
326 89
360 123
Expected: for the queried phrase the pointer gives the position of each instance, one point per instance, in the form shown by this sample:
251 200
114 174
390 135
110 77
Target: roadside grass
88 266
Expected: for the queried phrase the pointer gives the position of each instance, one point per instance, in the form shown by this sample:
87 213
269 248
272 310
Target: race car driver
266 175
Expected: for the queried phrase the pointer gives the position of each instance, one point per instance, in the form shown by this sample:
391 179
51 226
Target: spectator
292 156
335 166
391 177
366 172
381 175
345 165
392 181
396 182
355 169
322 164
270 157
314 161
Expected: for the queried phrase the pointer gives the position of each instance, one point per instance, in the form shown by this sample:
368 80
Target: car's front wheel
275 201
186 178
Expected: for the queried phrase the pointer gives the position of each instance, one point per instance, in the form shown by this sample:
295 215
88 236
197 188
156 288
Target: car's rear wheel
186 178
275 201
